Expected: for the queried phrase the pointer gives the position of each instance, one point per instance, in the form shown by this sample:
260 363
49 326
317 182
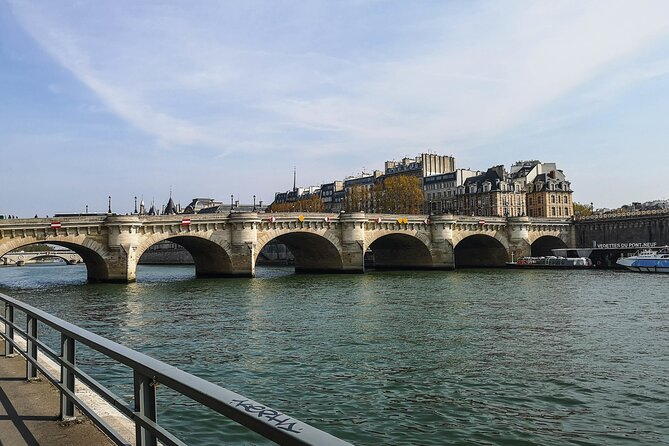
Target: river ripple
490 357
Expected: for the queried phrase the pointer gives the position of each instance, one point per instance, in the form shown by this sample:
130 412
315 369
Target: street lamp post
109 207
135 204
254 203
232 202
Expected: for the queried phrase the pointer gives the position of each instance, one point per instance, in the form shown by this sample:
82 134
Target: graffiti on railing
279 420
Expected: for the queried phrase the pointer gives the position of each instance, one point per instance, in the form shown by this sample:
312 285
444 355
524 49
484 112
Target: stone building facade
424 165
491 194
359 192
549 194
440 190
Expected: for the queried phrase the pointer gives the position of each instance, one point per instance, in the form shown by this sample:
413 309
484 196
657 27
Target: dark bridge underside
480 251
96 268
400 252
312 253
210 259
543 246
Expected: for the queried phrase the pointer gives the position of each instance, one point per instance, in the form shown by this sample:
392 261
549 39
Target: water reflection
472 356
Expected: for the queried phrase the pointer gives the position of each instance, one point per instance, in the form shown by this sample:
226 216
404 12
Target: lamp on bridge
254 203
232 202
135 204
109 208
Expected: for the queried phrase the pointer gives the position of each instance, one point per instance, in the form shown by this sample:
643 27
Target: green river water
489 357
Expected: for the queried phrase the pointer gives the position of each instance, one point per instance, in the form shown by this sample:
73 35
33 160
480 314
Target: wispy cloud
342 76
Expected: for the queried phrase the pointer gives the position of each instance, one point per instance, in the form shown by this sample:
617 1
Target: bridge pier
443 256
519 239
353 242
244 239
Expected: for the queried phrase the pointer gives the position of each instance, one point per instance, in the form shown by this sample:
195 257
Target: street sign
185 222
55 225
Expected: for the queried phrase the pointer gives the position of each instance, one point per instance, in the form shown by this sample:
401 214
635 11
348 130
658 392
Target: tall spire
294 177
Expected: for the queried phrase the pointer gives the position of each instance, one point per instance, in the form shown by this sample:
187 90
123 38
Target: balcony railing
147 374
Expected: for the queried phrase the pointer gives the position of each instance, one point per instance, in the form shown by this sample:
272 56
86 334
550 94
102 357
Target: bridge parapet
624 215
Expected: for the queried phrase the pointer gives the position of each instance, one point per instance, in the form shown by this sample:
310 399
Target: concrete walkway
29 411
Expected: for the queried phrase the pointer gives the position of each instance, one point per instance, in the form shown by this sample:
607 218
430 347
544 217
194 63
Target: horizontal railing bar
101 423
45 348
160 432
264 420
163 435
106 394
101 390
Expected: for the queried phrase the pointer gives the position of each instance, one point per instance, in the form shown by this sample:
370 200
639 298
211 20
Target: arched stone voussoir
211 254
499 236
94 254
481 250
402 250
315 251
533 236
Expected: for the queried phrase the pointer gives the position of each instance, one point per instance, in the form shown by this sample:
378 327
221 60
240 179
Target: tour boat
550 262
647 261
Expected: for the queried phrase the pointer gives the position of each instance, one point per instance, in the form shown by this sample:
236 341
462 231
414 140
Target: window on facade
553 211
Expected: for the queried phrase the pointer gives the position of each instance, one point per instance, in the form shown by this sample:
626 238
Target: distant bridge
229 244
20 258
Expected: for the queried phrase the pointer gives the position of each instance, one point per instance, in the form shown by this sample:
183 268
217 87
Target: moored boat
550 262
647 261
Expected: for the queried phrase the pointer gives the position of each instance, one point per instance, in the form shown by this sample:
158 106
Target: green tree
401 194
582 210
311 204
354 199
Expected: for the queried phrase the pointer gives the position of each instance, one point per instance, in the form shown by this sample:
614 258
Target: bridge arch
313 252
211 258
398 250
544 245
52 255
480 250
91 252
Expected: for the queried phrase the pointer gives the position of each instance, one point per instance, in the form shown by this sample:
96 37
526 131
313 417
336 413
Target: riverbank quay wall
228 245
624 229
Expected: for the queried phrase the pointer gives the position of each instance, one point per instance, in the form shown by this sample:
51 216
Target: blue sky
214 98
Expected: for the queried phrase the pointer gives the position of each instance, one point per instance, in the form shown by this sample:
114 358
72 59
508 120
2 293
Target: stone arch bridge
21 258
225 245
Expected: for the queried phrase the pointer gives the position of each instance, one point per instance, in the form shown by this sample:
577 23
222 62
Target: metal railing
623 214
147 373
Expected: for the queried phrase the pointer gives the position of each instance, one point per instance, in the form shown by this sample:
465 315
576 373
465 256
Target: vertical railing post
31 347
66 377
9 330
145 405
